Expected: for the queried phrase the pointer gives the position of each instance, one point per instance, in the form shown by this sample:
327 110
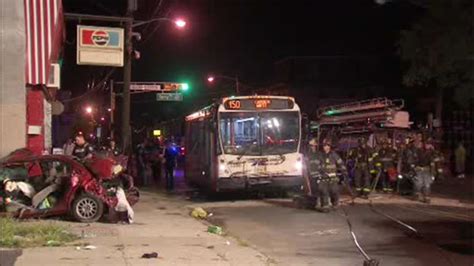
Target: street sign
145 87
168 97
102 46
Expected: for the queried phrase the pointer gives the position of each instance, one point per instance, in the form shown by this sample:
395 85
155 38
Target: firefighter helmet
313 142
327 142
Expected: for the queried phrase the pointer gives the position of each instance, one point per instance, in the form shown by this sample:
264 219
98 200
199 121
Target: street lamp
179 22
88 110
235 79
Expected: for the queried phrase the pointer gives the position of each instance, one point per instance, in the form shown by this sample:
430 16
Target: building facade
31 39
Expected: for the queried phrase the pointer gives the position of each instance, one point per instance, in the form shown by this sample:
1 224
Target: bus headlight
299 165
221 167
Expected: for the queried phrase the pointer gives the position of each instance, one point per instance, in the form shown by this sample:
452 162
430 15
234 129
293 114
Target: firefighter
437 163
314 173
361 156
328 163
407 160
374 165
424 173
386 158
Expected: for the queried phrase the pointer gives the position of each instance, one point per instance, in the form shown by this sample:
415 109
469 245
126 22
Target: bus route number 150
234 104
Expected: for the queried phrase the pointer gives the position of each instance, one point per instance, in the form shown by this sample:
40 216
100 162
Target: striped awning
44 25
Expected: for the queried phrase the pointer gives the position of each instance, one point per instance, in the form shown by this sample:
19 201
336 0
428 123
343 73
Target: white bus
245 142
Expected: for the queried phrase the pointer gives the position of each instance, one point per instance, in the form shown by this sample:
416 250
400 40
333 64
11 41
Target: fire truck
375 119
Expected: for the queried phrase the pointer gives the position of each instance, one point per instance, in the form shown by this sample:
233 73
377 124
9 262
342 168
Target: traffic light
174 87
184 86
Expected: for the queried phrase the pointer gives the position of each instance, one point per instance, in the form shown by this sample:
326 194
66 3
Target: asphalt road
294 236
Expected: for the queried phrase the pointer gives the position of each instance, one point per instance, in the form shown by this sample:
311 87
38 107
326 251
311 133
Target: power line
97 87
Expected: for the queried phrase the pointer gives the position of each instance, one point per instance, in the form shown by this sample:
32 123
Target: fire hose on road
368 261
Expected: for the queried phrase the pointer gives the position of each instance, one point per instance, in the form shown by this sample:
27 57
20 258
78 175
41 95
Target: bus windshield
259 133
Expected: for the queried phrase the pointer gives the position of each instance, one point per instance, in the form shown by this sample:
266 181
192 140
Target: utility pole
237 89
127 77
112 110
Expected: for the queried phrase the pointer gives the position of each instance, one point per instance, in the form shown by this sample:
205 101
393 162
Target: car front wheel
87 208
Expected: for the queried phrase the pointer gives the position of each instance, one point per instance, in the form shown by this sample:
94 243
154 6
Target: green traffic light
184 86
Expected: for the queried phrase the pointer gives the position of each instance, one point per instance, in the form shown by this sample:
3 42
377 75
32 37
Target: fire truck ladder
371 110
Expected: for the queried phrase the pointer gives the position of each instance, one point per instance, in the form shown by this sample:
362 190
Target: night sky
231 37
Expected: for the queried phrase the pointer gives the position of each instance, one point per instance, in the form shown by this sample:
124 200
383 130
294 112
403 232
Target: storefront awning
44 34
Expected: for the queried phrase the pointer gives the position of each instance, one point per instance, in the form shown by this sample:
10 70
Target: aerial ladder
361 116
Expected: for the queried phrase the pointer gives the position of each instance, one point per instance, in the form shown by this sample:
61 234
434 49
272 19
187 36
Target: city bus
245 143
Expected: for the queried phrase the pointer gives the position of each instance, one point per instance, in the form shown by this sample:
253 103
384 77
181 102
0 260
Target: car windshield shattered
259 133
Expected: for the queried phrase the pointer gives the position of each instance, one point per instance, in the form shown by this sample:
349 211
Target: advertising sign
101 46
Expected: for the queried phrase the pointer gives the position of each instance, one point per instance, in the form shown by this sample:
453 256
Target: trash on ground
152 255
199 213
227 243
214 229
53 243
89 247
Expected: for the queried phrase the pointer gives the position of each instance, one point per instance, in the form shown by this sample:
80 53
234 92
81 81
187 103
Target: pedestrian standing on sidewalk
142 165
68 147
460 156
82 150
170 155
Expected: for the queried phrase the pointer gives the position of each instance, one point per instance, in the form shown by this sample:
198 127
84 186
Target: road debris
152 255
88 247
214 229
199 213
53 243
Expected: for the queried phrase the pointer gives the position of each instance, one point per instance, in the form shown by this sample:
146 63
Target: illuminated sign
156 132
262 104
258 104
100 46
234 104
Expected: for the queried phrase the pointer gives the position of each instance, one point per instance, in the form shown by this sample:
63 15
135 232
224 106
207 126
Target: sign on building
101 46
168 97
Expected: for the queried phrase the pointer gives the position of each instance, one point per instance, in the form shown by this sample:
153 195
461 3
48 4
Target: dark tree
439 49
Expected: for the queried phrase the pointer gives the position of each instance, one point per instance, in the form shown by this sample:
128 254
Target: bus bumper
257 183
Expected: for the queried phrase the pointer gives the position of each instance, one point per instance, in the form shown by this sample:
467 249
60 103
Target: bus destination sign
258 104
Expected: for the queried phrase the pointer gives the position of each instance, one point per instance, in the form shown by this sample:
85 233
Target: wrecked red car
58 185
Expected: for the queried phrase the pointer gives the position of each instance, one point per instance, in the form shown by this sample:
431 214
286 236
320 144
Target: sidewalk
162 225
455 188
